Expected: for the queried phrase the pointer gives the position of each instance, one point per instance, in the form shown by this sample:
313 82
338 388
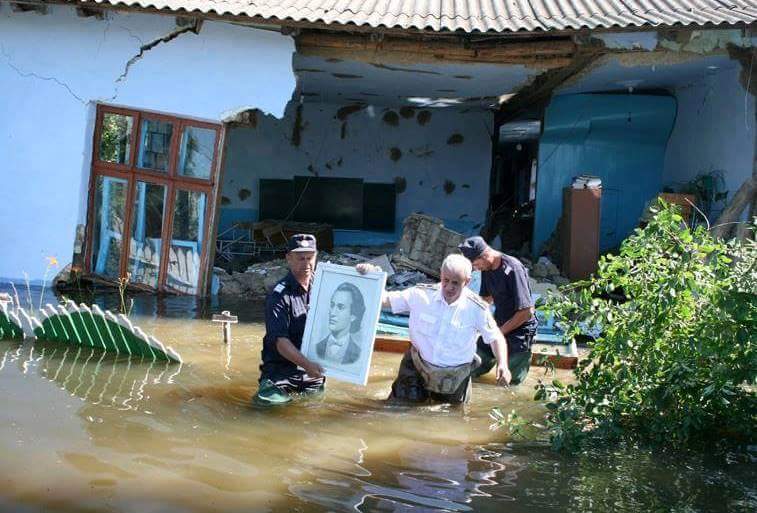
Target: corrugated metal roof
474 15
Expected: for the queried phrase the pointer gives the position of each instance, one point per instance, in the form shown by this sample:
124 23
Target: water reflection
90 374
112 434
419 477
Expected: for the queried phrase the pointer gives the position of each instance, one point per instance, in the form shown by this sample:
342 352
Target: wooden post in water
226 320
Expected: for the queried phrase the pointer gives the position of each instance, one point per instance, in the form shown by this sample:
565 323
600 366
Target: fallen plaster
703 41
628 40
630 60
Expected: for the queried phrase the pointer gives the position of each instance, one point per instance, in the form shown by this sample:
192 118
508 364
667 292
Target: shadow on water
113 434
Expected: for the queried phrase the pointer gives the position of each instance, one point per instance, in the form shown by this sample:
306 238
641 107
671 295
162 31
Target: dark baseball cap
301 242
473 247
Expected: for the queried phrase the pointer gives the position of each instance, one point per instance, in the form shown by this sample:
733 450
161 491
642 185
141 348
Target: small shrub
675 363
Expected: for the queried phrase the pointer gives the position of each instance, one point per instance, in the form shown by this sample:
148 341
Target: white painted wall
427 161
54 68
714 131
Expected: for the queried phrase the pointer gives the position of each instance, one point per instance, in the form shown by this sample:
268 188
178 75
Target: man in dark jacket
286 307
504 281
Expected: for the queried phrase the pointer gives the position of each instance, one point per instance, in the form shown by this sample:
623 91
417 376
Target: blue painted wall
620 138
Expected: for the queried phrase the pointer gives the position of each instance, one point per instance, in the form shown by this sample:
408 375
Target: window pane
196 154
146 230
155 144
115 138
186 241
110 207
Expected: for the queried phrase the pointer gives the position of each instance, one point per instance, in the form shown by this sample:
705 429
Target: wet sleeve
488 328
521 289
276 316
401 300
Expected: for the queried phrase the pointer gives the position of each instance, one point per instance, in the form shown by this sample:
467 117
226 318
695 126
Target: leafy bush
675 363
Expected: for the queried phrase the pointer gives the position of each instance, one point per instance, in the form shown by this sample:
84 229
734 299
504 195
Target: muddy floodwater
82 431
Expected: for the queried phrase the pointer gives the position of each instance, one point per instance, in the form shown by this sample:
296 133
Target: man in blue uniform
504 281
281 370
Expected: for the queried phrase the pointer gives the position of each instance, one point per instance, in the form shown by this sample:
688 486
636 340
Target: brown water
84 431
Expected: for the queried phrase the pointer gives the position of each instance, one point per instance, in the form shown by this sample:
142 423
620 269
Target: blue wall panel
620 138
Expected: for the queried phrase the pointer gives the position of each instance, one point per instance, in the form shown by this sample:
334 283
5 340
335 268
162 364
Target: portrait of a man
341 322
345 317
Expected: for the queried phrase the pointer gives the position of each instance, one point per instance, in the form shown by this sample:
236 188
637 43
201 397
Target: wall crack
29 74
195 28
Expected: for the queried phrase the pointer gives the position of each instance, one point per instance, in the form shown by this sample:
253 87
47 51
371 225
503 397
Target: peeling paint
455 139
465 186
400 184
464 77
346 75
225 200
343 130
449 187
407 112
395 154
423 117
244 194
391 118
344 112
308 70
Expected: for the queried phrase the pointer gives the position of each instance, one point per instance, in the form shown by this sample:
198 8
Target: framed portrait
341 322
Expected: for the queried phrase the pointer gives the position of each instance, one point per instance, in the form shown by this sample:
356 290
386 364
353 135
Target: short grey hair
457 265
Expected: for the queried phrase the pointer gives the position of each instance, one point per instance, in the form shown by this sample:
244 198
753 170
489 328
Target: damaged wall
54 68
440 158
619 138
714 133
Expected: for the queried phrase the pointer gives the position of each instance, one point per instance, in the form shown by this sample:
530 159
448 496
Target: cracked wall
407 146
55 68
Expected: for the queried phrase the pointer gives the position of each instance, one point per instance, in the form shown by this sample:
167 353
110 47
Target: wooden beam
541 89
546 54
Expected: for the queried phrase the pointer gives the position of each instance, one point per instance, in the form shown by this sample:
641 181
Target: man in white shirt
445 321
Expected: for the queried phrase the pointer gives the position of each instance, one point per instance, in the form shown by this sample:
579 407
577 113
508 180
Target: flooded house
141 139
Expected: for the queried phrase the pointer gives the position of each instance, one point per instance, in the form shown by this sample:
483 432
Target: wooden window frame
170 179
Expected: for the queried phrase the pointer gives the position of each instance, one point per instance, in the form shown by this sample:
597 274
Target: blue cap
301 242
473 247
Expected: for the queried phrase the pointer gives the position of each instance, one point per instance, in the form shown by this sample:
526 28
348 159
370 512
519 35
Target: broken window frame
171 179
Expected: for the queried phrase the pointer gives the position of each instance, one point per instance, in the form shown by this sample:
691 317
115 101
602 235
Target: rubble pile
544 276
416 259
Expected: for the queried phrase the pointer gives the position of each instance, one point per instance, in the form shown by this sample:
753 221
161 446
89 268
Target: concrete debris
424 244
544 268
543 289
416 259
405 279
